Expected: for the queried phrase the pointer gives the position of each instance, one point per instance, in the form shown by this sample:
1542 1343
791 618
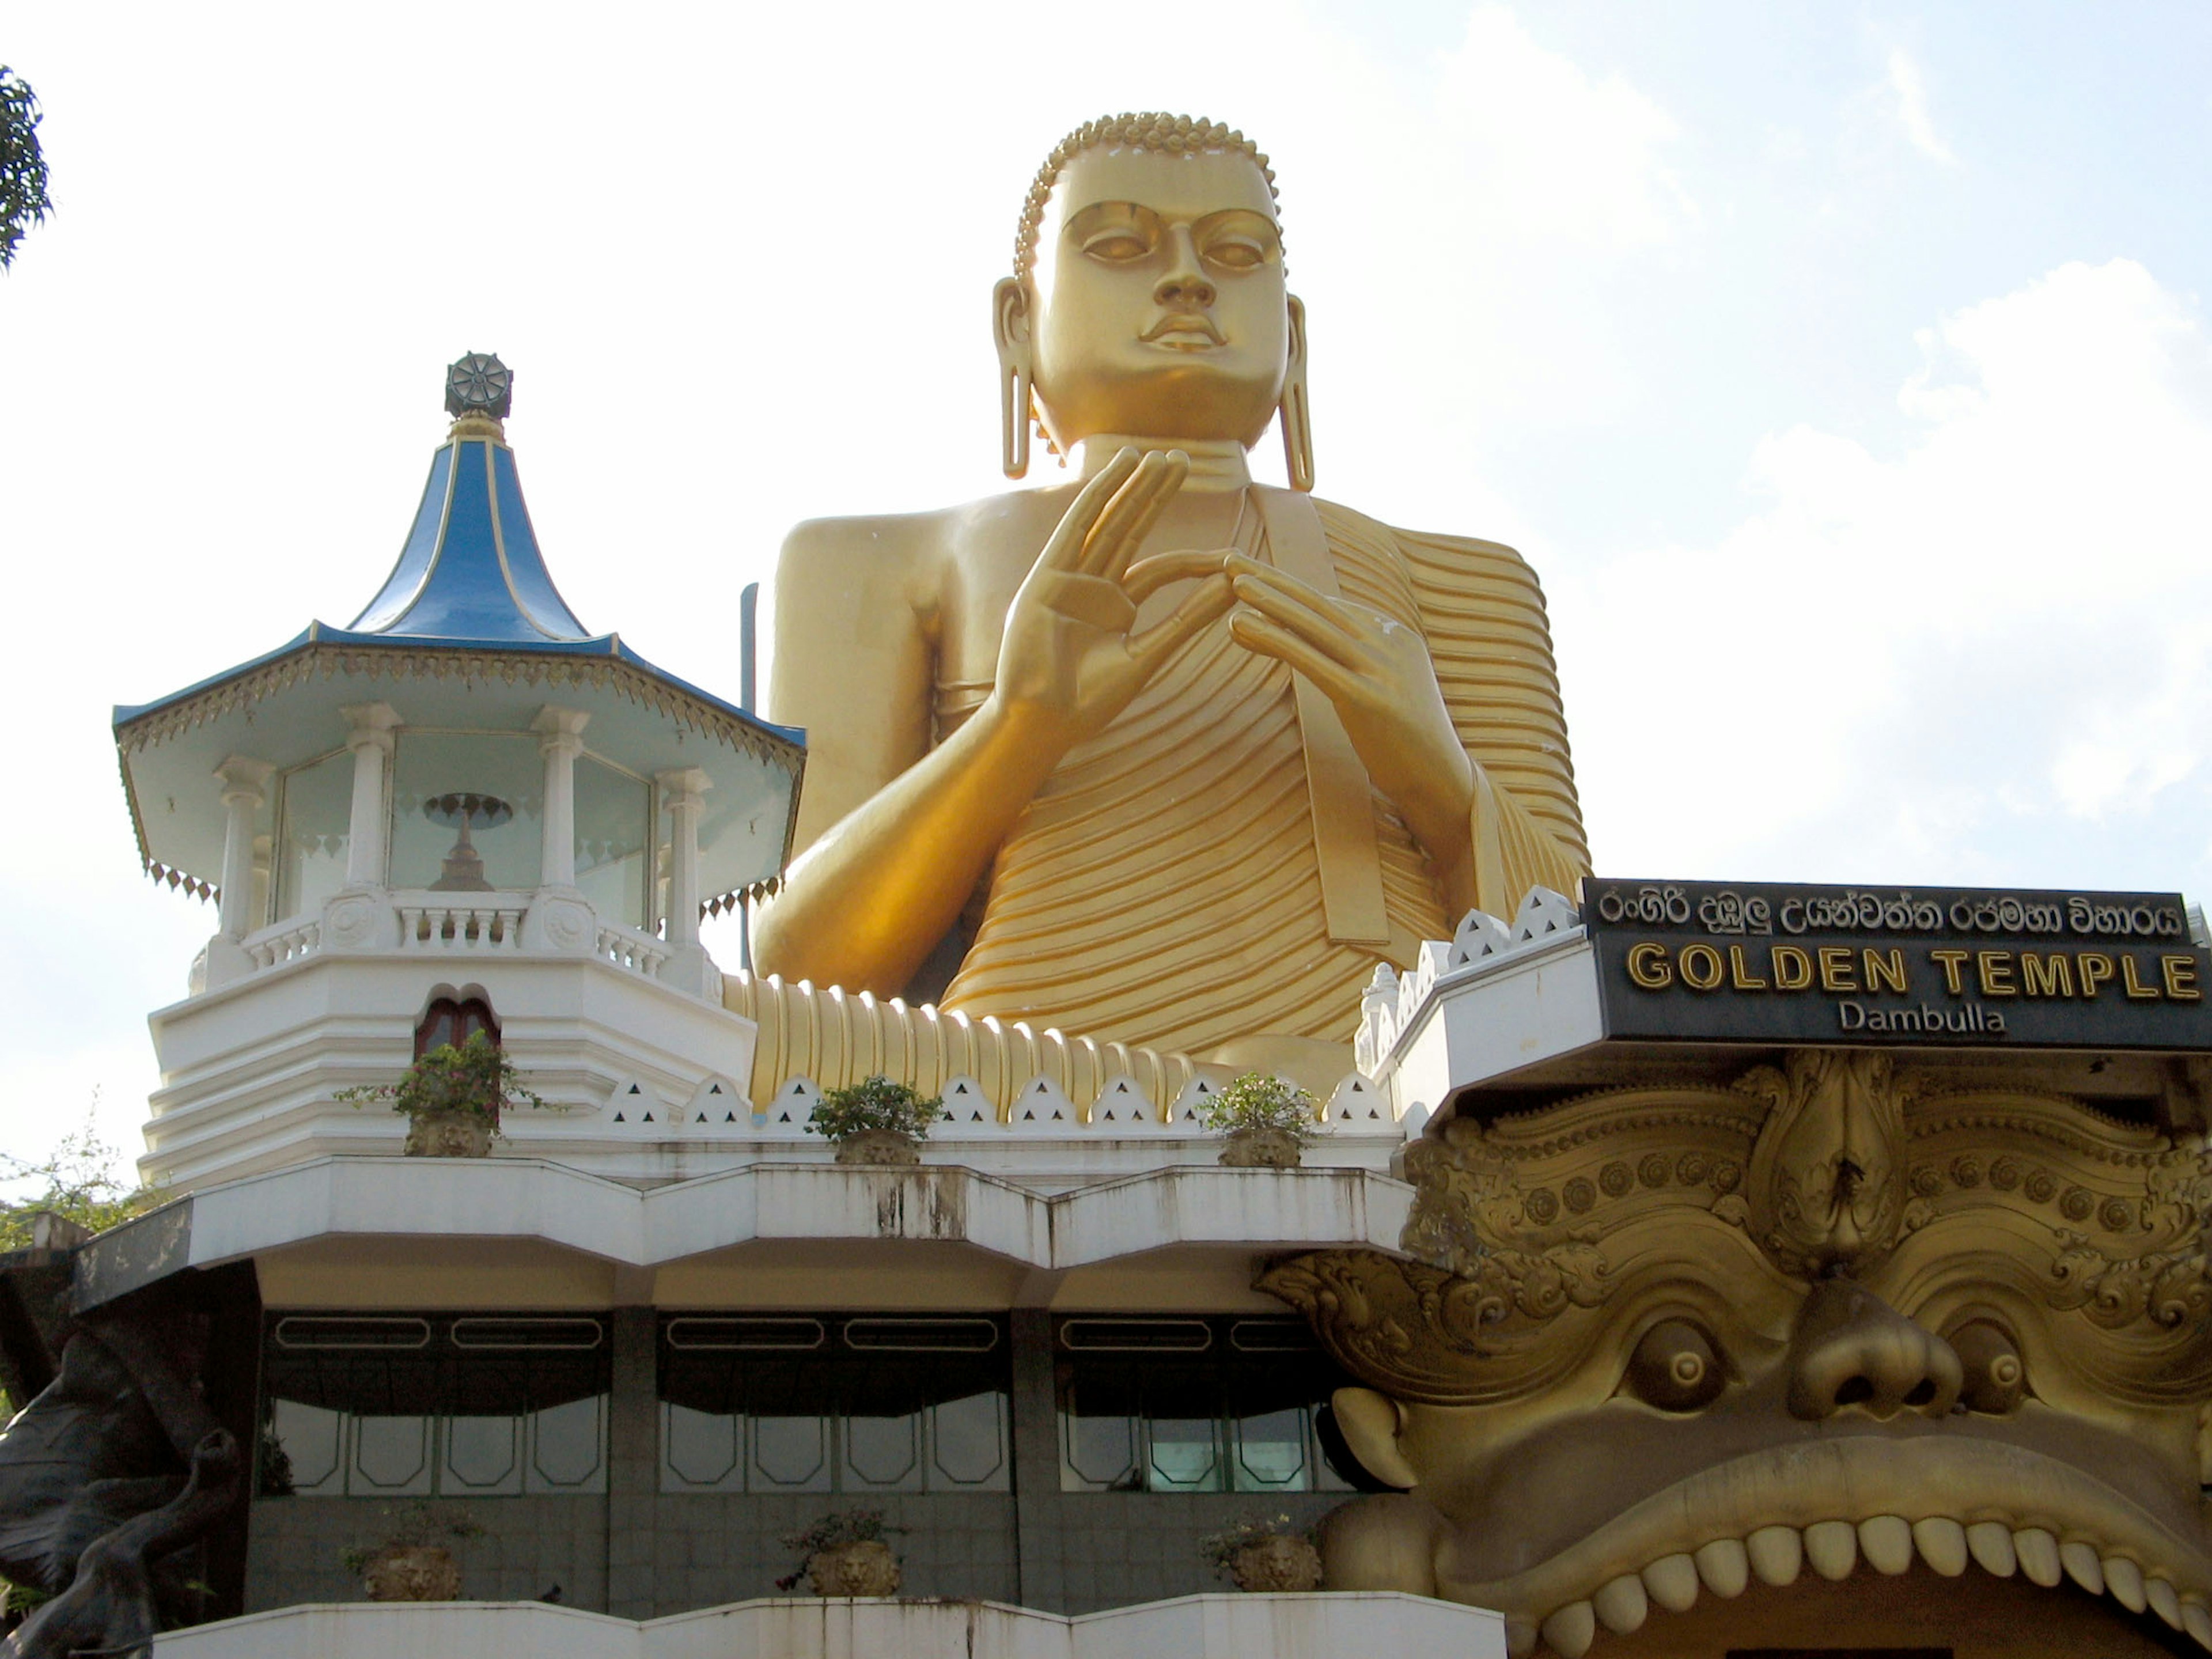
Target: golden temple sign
1709 962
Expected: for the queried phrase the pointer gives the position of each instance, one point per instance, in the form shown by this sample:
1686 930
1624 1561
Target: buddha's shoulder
919 538
1434 554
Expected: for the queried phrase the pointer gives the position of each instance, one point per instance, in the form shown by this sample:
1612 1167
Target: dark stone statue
107 1478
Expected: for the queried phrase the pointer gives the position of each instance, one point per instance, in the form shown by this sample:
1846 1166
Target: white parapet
1314 1626
251 1071
1492 1001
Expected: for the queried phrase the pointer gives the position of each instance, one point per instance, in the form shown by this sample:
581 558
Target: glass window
429 767
614 841
406 1405
1191 1405
317 818
867 1404
450 1022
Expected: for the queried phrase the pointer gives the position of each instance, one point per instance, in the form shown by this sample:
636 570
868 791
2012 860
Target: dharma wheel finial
479 385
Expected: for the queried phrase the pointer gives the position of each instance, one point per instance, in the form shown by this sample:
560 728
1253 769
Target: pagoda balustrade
434 921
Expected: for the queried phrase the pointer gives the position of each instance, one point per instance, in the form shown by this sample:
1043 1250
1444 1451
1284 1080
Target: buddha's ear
1010 333
1372 1423
1293 413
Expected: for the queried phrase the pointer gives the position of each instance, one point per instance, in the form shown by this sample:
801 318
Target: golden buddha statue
1150 769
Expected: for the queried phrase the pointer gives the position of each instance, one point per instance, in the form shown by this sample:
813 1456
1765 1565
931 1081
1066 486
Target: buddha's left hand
1376 672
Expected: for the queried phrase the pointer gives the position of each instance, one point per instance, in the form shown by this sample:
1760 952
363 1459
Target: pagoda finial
479 388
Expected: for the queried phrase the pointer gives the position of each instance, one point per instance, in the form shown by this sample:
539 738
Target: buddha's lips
1181 322
1815 1501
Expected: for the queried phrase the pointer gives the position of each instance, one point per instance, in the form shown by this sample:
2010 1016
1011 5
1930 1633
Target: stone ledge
1217 1626
527 1199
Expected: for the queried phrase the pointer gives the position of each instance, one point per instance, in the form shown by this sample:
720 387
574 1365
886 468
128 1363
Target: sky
1844 371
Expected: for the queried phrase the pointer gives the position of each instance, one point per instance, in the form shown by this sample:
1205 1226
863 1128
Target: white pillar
242 795
370 739
560 741
682 793
242 781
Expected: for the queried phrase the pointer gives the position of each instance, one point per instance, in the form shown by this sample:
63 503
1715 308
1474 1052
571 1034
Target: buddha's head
1148 295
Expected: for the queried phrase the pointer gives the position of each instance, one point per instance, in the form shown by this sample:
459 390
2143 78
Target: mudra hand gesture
1068 662
1378 673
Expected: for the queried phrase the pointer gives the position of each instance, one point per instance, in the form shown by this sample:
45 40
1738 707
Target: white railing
286 942
428 922
626 947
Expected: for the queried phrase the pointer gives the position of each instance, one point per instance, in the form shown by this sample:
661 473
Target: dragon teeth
1942 1544
2164 1601
1886 1542
2082 1567
1571 1629
1672 1582
1832 1547
1778 1554
1725 1567
2125 1580
1990 1543
1621 1606
2038 1556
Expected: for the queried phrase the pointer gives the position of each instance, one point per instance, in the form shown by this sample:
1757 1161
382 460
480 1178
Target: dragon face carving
1664 1347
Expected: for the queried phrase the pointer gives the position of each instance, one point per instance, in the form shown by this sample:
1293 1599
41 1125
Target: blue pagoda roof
471 569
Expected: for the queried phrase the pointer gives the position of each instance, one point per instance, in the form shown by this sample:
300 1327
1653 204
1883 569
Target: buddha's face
1156 306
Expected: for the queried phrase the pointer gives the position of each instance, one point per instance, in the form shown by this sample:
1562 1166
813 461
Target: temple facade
1110 1216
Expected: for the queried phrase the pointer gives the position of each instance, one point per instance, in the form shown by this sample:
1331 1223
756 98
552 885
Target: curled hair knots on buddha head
1153 129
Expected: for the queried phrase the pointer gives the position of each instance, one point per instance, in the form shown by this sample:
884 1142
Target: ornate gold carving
1826 1186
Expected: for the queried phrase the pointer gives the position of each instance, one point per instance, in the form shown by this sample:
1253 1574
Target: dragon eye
1674 1367
1996 1378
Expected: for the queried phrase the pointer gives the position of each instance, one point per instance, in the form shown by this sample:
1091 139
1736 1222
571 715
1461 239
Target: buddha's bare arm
1378 674
865 904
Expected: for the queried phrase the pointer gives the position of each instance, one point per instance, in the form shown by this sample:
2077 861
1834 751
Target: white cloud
1903 660
1553 152
1911 105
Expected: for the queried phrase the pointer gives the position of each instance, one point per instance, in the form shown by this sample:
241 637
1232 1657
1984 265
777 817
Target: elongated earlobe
1293 413
1010 332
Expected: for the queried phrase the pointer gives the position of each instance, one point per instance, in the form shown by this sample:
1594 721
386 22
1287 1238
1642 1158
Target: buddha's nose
1185 287
1852 1348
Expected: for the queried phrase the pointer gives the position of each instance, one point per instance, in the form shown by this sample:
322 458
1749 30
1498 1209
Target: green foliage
1257 1101
414 1526
475 1080
875 1102
1219 1550
78 1181
834 1530
23 198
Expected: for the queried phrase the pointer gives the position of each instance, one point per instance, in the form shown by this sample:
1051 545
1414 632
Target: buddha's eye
1237 240
1674 1368
1117 246
1235 254
1115 232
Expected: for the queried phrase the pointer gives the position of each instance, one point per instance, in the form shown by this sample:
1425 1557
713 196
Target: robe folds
1166 887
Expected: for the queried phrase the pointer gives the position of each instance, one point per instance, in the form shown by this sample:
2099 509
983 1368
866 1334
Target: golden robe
1165 892
1165 888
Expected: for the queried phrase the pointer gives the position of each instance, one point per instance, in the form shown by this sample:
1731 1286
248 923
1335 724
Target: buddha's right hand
1067 660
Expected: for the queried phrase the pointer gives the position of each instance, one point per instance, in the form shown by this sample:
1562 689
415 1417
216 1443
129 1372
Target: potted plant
1266 1122
875 1120
843 1554
413 1562
1264 1553
452 1097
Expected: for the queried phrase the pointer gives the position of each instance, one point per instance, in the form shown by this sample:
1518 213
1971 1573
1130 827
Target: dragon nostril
1923 1393
1854 1391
